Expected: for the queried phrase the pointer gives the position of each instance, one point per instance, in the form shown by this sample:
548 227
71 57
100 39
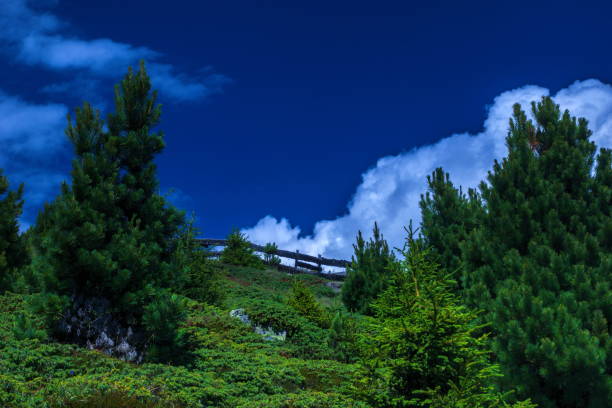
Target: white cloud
390 191
183 88
32 135
39 38
27 127
101 56
18 19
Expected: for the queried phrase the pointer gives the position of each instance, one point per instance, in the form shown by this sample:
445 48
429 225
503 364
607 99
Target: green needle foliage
539 258
270 257
368 274
239 252
448 216
423 349
200 276
13 253
110 233
304 302
342 337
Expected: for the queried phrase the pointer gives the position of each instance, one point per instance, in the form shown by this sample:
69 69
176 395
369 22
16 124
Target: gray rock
89 323
266 332
335 286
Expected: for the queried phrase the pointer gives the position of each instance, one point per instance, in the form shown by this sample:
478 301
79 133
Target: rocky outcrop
90 323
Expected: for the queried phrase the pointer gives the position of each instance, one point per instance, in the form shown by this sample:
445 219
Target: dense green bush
304 400
342 337
238 251
368 274
200 276
307 339
26 328
303 301
111 398
162 318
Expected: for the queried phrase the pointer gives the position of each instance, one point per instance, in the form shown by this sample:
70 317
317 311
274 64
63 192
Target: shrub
112 398
307 339
342 337
26 328
200 277
303 301
161 319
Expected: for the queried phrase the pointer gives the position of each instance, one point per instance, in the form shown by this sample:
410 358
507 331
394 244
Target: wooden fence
302 263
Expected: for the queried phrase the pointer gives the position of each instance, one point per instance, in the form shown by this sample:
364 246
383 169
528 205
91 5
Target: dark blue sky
321 89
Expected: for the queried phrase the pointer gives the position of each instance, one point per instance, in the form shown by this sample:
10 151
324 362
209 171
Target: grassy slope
232 366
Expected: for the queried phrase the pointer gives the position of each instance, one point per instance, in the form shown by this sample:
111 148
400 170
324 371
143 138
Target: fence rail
301 261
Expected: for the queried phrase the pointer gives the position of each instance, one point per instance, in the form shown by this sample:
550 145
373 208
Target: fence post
319 263
297 252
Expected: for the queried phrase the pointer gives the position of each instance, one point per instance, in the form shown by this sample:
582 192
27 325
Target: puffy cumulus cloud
31 136
390 191
36 37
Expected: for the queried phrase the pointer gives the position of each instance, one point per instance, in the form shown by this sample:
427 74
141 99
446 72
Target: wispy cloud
389 192
32 138
38 38
28 127
34 148
100 56
183 88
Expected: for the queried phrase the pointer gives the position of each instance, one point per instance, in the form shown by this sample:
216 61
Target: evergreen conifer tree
368 273
540 260
13 253
448 216
423 349
305 303
110 233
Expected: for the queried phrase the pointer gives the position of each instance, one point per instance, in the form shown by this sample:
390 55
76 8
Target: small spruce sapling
270 257
238 251
304 302
368 274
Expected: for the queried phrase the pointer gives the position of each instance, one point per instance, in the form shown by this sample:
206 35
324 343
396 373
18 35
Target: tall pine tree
368 274
448 216
110 233
540 260
13 253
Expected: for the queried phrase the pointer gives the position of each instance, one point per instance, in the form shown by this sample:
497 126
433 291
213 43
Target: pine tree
238 251
13 253
110 234
423 350
540 260
448 216
368 274
304 302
